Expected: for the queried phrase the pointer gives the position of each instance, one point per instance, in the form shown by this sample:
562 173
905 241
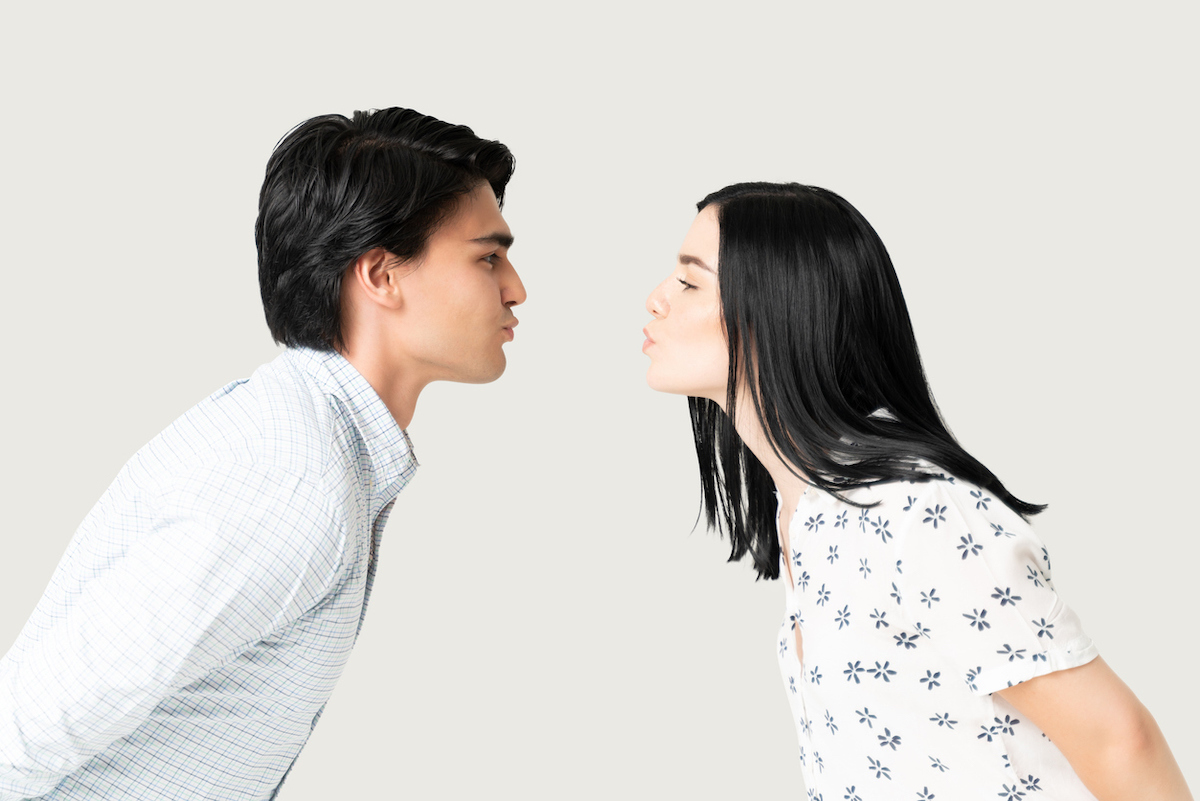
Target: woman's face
686 340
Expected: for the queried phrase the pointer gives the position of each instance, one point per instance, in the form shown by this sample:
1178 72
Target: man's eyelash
686 285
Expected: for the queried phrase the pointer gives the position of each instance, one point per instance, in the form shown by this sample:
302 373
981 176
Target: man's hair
336 188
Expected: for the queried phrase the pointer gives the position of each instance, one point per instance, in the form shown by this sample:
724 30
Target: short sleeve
976 582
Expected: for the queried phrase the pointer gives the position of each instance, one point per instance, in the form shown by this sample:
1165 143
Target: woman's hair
819 334
338 187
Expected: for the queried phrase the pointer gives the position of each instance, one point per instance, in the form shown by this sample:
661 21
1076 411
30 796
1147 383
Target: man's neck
397 388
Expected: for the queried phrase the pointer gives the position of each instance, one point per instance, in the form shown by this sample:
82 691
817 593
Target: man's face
458 298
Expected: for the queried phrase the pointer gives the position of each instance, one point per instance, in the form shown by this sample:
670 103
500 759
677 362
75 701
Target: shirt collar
392 458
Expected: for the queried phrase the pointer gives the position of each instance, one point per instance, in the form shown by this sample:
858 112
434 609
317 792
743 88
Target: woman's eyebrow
686 259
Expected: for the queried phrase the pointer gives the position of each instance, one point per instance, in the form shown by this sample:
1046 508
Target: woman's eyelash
686 285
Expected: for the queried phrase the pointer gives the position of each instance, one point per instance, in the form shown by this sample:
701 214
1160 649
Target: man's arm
228 554
1102 729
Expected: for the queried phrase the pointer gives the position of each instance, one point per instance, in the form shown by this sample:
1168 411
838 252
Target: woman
924 649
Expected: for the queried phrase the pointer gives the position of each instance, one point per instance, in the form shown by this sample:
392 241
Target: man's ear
376 274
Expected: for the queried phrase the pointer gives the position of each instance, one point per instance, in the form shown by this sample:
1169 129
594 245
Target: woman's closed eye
686 285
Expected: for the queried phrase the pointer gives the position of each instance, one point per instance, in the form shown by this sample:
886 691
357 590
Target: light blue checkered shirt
203 612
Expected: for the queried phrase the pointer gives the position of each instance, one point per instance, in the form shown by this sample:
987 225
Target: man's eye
686 285
491 259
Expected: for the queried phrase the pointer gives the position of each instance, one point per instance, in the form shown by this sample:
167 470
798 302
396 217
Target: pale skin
1110 739
443 316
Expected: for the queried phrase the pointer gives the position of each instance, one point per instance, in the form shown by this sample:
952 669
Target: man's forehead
478 219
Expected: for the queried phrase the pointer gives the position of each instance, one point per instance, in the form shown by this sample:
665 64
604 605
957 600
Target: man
197 623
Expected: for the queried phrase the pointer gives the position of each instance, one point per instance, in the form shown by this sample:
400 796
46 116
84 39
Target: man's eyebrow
686 259
498 239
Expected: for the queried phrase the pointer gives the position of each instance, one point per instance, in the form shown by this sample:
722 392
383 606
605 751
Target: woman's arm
1103 730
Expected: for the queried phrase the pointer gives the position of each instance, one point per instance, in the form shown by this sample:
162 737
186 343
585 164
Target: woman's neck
788 478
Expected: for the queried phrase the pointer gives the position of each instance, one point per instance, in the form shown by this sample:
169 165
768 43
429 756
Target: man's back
208 603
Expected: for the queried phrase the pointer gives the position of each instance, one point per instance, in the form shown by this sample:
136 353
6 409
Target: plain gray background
546 624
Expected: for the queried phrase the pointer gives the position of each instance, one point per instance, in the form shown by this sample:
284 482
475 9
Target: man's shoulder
279 419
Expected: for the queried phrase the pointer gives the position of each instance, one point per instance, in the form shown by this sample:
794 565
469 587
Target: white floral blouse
913 613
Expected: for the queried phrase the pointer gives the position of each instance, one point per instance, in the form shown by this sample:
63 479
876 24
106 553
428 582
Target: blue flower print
981 500
880 771
829 724
1008 651
865 716
813 795
1031 784
797 619
843 520
1046 558
1034 575
851 795
802 582
805 726
909 503
1005 596
888 740
905 640
1044 628
936 515
930 598
822 596
898 570
863 519
881 530
921 630
782 646
1040 656
895 593
939 765
944 720
843 617
1000 532
792 684
931 679
862 568
969 547
976 619
882 671
1006 726
988 733
1011 793
814 676
796 559
814 523
818 762
971 676
852 670
878 617
833 554
925 795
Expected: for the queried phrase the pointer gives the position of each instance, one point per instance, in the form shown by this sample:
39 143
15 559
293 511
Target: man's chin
483 374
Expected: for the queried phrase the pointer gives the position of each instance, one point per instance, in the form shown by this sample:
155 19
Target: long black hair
819 333
338 187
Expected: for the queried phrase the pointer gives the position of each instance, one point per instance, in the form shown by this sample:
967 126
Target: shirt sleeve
163 591
976 582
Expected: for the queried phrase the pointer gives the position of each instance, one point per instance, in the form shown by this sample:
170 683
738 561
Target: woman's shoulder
931 495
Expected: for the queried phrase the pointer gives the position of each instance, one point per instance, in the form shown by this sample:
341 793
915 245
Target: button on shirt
914 612
202 613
